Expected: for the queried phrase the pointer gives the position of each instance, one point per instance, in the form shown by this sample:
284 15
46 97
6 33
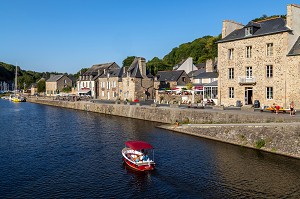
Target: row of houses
257 61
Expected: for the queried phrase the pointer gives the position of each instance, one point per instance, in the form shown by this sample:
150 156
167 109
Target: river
50 152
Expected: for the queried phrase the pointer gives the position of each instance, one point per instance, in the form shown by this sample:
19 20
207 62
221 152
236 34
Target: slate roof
169 75
206 75
215 83
201 66
296 48
179 64
265 27
196 72
54 78
94 69
134 70
116 72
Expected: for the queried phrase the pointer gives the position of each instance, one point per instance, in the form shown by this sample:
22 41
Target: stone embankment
270 132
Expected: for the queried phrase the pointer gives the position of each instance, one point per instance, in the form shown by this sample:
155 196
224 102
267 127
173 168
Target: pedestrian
292 108
277 107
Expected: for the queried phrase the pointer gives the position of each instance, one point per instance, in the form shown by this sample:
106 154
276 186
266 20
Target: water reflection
49 152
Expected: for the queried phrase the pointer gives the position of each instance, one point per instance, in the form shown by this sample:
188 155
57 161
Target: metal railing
246 80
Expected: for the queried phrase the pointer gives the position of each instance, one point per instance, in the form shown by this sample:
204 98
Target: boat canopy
138 145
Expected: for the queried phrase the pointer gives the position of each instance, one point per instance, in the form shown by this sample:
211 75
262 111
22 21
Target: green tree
41 86
128 61
189 86
200 50
67 89
83 70
157 64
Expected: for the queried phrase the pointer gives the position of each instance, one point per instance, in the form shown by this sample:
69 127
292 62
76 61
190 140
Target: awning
84 91
138 145
198 88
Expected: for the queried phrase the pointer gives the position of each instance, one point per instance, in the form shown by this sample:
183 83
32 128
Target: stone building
110 84
56 83
86 82
260 61
171 79
137 81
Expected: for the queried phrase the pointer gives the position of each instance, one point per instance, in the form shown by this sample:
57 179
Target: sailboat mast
16 79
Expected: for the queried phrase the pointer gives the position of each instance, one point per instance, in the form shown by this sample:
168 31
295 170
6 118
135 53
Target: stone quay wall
270 132
279 138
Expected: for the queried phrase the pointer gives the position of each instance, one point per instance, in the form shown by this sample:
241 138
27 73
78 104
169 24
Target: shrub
260 143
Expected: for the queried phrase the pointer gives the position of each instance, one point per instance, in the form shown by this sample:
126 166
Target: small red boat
135 155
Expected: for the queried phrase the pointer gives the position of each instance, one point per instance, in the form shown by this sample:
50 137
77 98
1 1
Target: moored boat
135 155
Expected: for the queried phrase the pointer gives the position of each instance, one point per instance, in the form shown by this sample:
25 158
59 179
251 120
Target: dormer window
248 31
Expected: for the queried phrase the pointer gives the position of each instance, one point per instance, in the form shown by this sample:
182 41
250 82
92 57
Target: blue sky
67 35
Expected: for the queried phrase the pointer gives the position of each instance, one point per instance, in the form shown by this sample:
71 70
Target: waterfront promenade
261 130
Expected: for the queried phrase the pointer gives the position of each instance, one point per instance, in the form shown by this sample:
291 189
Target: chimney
104 71
293 22
142 65
209 65
98 72
229 27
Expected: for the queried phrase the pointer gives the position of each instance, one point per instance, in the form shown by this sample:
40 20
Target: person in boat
145 157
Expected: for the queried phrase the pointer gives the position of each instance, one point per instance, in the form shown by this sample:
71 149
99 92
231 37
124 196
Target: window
270 49
102 84
269 92
103 94
269 71
230 53
108 85
248 51
183 79
231 73
249 72
114 84
248 31
114 94
231 92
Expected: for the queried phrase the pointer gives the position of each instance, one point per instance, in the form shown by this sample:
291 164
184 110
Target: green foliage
157 64
67 89
189 86
200 50
41 86
260 143
128 61
76 76
264 17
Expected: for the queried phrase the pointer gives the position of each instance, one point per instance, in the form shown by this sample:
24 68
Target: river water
50 152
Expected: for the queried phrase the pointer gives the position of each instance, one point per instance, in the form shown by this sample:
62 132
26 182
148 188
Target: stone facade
134 83
258 67
109 87
87 84
56 83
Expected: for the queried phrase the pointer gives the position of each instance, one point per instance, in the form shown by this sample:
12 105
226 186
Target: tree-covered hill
200 50
25 77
